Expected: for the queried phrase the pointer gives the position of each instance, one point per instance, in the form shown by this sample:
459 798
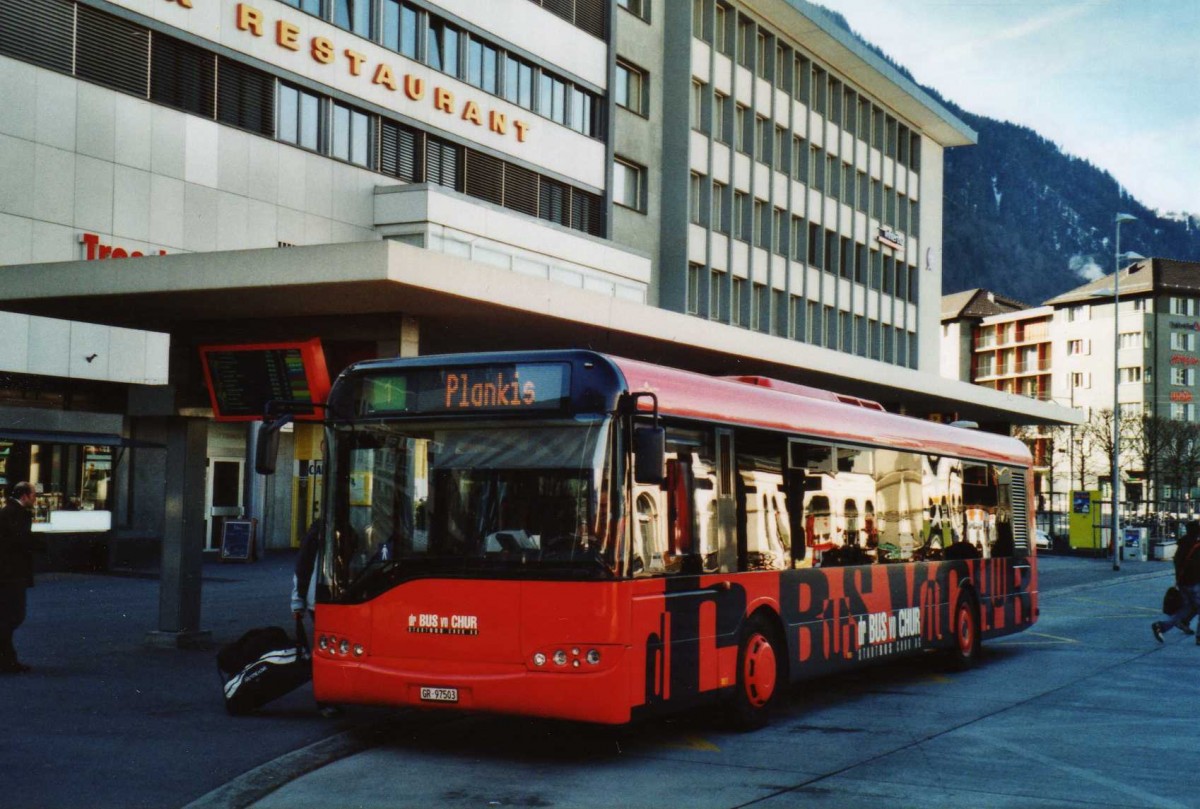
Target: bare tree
1181 458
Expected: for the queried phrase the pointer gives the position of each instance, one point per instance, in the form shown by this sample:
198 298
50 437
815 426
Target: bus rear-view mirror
650 451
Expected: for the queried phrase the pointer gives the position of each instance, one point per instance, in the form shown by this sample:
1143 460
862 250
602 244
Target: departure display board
241 379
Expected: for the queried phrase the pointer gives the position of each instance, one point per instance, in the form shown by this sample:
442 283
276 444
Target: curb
254 785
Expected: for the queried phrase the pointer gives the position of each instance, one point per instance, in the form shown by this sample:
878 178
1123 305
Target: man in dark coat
17 545
1187 579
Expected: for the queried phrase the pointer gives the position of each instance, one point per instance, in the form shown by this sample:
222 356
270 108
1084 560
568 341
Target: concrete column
183 537
410 337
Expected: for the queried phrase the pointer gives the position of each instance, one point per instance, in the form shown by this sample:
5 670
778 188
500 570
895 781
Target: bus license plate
439 694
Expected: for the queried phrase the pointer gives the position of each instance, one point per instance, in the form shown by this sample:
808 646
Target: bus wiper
375 570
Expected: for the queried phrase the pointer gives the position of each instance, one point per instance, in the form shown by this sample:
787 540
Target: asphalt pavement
106 720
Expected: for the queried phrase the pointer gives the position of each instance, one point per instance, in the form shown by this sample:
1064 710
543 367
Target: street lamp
1116 417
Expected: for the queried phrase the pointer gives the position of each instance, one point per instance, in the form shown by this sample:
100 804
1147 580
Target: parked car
1043 540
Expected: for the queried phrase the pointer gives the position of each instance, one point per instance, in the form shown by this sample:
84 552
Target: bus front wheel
761 675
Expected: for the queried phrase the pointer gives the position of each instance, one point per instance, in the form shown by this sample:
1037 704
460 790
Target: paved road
1072 714
1084 711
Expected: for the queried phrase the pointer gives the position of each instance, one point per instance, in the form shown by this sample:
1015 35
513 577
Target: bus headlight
560 658
593 657
539 659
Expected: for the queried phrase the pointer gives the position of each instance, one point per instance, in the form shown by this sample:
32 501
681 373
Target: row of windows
426 37
118 54
586 15
760 308
790 154
748 219
756 49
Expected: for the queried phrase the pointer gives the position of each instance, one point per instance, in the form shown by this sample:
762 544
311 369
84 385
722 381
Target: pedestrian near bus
1187 579
17 545
304 578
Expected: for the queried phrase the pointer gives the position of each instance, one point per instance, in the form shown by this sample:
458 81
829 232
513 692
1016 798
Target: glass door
223 497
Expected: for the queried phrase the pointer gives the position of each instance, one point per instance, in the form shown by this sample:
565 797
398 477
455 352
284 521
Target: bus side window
680 520
648 553
794 502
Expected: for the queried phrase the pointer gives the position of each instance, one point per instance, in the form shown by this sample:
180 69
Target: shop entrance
223 497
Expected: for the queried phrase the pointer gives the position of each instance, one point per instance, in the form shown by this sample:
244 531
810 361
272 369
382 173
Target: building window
694 198
353 15
1132 339
441 50
630 91
745 42
700 20
1183 306
1078 314
779 227
716 280
1130 375
1077 348
762 58
741 213
693 288
735 301
741 124
817 168
779 151
351 135
483 65
552 97
518 81
1183 341
629 184
719 130
717 222
1183 376
720 29
634 7
697 106
762 138
1183 412
799 240
816 246
299 119
763 223
311 6
400 27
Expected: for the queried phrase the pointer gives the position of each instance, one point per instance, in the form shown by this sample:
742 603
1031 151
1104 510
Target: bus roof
775 405
752 401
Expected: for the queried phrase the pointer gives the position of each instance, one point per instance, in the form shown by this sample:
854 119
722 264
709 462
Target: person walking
1187 579
304 579
17 545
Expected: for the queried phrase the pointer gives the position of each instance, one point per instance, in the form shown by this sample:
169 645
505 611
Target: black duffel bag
1172 600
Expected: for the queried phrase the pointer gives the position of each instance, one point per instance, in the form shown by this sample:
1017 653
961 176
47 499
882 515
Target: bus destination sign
495 388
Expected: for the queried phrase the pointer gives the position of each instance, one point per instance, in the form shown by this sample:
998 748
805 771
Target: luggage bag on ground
263 665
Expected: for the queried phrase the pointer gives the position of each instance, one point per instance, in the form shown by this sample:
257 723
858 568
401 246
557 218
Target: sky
1116 82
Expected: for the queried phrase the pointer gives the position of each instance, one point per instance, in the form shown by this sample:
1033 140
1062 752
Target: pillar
183 537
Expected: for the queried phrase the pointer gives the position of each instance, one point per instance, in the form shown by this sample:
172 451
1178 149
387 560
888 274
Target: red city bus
567 534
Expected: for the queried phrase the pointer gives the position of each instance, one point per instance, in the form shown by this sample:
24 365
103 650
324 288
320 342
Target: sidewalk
105 721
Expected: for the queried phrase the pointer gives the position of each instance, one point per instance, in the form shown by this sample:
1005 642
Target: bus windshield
412 500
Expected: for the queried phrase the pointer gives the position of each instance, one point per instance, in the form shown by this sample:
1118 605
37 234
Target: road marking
693 743
1140 795
1051 640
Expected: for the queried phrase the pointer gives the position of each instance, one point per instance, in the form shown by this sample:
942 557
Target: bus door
689 618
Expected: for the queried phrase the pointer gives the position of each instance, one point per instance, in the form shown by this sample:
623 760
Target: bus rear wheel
761 675
965 652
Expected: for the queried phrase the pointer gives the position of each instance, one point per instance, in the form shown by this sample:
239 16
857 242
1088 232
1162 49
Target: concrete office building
723 186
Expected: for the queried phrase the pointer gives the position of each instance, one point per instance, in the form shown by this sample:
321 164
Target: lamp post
1116 415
